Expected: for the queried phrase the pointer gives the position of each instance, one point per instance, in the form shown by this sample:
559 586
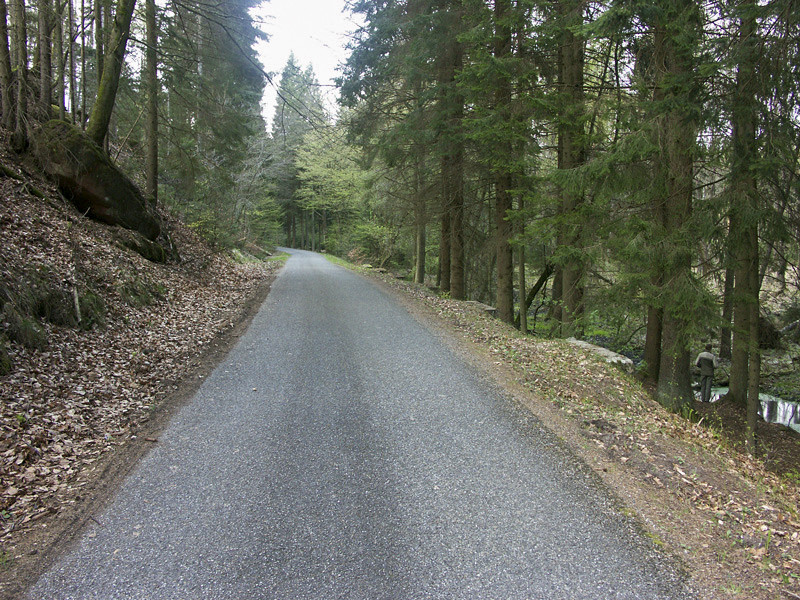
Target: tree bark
106 95
58 41
45 59
571 154
743 219
727 315
445 247
674 47
99 39
151 85
73 88
420 225
652 344
503 179
523 285
19 139
6 74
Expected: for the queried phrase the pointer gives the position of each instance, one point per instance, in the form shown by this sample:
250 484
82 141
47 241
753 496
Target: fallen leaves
63 407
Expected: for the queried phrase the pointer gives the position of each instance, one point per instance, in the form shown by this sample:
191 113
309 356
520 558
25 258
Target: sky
315 30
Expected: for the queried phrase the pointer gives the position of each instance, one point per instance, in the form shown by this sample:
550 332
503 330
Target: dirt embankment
100 346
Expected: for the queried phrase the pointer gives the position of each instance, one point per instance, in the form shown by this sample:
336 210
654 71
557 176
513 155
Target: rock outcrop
86 175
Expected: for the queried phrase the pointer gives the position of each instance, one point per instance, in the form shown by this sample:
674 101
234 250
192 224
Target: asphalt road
343 451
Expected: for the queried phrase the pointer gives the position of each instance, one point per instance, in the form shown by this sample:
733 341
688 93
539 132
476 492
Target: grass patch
280 257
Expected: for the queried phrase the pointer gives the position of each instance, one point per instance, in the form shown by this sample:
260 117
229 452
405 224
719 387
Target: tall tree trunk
84 79
19 139
674 48
652 344
743 236
420 225
727 315
99 39
45 59
73 87
445 246
106 95
503 179
451 141
6 74
58 41
457 282
523 305
571 154
754 365
151 85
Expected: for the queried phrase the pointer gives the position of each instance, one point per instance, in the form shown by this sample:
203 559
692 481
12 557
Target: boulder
86 175
618 360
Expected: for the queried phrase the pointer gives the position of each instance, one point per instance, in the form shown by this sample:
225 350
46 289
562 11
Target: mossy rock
5 359
40 295
88 177
138 292
150 250
22 329
93 310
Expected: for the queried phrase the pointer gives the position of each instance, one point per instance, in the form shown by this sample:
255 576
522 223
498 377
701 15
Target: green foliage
213 160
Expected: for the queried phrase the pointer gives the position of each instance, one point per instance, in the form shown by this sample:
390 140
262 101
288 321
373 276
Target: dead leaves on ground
63 407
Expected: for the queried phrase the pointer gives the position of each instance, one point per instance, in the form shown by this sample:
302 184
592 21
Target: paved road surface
342 451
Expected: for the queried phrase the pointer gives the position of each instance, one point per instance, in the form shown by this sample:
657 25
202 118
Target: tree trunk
526 306
60 84
99 39
445 247
743 219
106 95
652 344
6 77
727 315
457 283
674 48
151 85
571 154
45 60
523 285
19 139
503 179
84 79
754 366
73 87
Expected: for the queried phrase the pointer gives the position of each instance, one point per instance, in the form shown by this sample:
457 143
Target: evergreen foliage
639 159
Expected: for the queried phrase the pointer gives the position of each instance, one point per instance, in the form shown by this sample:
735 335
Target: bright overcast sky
315 30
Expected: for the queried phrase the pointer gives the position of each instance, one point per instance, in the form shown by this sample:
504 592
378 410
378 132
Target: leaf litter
65 407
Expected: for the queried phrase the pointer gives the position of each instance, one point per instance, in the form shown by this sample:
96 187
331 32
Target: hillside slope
94 339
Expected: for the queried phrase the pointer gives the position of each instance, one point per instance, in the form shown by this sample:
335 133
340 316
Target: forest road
342 450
